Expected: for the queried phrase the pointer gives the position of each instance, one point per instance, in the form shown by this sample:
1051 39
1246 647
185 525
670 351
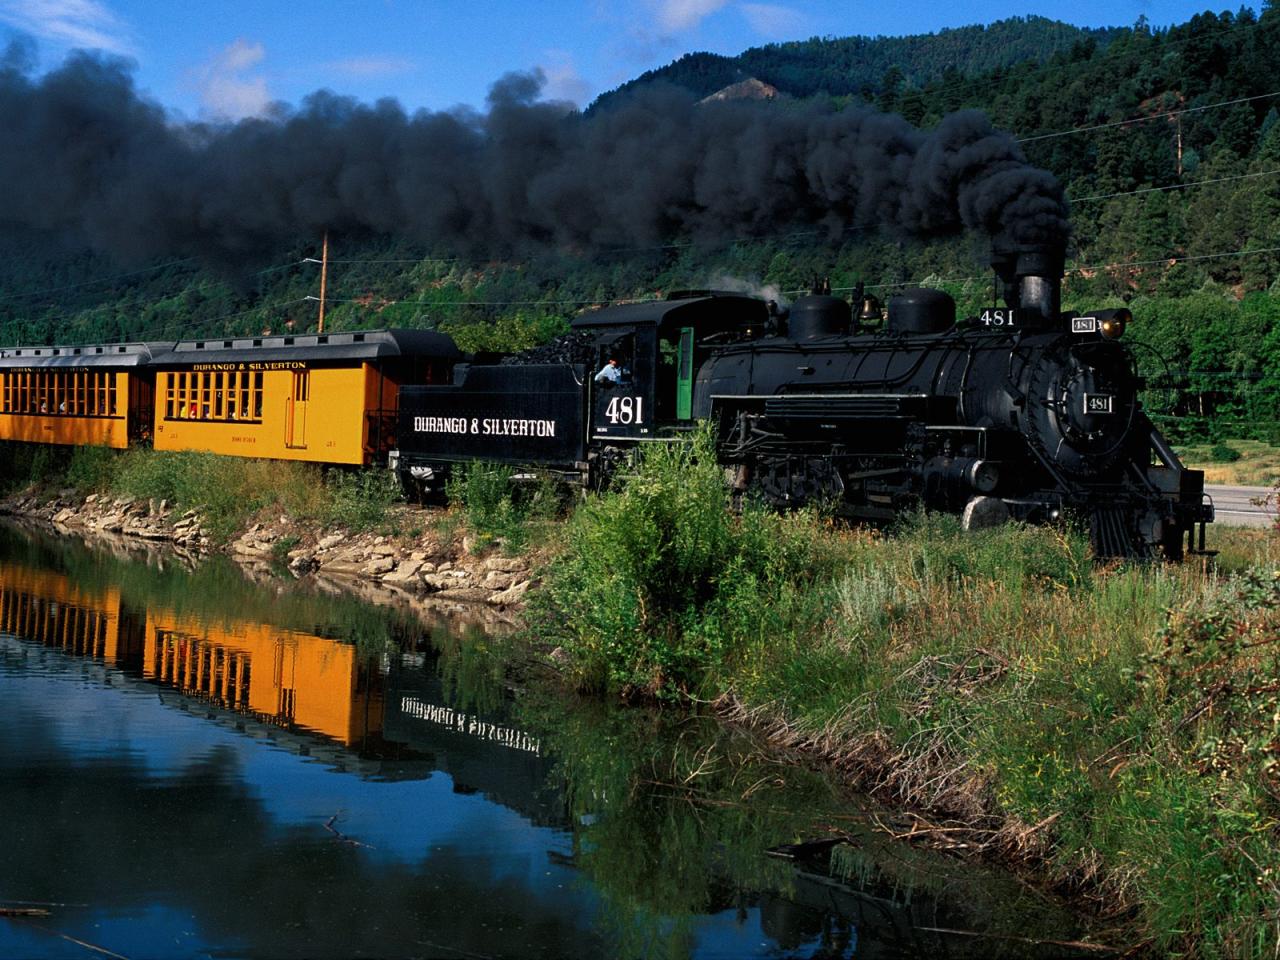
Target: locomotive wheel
796 482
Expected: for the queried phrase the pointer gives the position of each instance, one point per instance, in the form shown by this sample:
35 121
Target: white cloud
76 23
675 16
562 80
773 21
227 90
371 66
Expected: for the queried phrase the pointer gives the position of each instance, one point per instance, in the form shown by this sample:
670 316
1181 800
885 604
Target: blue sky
231 58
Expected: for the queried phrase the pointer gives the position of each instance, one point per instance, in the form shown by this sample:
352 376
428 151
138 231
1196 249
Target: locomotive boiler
1022 412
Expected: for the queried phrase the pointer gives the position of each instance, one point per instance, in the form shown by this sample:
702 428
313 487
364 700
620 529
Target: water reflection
194 764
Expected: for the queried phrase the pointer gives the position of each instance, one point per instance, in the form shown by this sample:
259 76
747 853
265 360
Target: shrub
660 583
1221 453
359 500
92 468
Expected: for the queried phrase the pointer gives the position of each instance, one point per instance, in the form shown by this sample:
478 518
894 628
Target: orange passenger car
85 396
330 398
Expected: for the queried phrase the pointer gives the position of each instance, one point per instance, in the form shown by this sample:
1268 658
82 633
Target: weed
491 504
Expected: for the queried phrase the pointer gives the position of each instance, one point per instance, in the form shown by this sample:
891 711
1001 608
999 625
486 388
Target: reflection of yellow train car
48 608
281 676
95 395
326 398
330 398
285 676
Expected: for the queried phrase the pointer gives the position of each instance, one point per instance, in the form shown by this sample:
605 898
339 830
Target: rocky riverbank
447 567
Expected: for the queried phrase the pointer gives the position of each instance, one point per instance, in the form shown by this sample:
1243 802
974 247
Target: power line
86 283
197 287
1168 261
1175 186
385 260
1154 116
393 302
1174 259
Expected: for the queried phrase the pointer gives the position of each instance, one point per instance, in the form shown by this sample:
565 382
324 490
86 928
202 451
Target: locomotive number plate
998 317
1099 403
1084 324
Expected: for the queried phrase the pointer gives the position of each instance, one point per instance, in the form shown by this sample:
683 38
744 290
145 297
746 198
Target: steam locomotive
1022 412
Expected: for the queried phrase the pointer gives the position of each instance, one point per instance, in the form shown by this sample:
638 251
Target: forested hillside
1167 142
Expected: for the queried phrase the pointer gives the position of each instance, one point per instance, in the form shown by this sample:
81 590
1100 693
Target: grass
225 491
1258 464
1116 724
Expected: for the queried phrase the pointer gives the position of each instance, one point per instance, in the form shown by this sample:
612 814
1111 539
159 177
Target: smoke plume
85 156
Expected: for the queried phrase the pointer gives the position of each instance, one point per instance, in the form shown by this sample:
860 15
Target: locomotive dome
921 310
819 315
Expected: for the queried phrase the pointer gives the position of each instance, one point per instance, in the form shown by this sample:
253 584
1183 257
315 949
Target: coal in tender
575 347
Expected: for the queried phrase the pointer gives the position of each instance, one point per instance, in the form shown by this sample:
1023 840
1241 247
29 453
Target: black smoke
85 156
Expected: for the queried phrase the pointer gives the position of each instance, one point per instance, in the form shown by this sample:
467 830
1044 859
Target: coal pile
576 347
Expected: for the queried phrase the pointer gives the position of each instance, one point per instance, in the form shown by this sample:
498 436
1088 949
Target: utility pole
324 277
1179 117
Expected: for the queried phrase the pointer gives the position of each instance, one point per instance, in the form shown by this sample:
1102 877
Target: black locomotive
1022 412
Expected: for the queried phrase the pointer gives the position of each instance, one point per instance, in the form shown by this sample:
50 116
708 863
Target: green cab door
684 375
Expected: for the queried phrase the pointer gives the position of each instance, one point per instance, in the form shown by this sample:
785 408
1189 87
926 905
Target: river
193 764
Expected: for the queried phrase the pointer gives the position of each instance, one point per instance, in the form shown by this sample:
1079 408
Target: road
1232 506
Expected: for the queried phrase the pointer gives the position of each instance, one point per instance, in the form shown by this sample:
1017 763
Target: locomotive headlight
1111 323
983 475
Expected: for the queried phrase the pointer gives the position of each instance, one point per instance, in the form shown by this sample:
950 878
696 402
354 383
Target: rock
93 498
302 563
341 568
332 540
405 571
63 516
379 566
442 581
513 594
381 550
427 567
498 581
444 565
418 555
469 594
505 564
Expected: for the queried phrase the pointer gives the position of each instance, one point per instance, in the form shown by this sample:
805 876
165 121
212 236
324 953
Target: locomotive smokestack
1031 275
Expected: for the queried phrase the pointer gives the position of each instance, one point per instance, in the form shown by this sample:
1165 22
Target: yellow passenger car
99 395
330 398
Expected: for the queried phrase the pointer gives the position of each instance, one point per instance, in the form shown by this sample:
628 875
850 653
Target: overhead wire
1143 119
1175 186
87 283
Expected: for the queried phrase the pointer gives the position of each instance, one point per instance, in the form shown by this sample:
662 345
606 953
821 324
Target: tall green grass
499 505
1119 719
225 491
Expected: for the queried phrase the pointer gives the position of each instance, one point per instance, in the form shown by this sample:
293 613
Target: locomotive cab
659 347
